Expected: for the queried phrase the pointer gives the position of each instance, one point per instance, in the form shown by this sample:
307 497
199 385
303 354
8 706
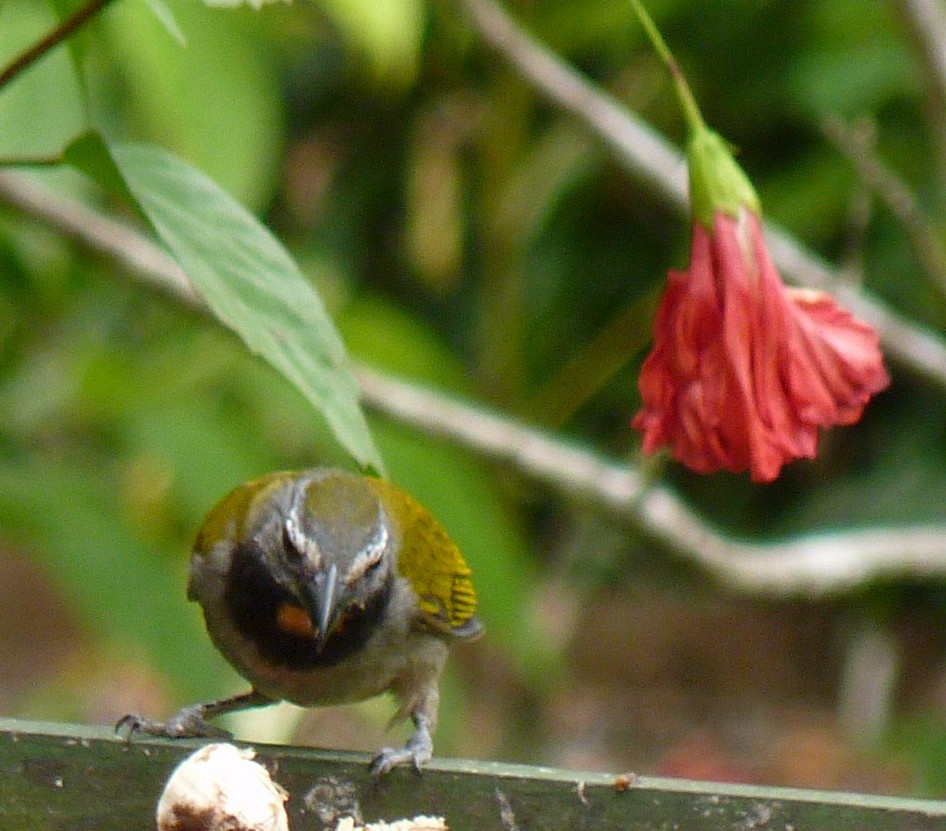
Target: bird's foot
190 722
418 751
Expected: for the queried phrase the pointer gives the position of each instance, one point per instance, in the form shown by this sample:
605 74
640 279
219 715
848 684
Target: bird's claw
187 723
389 758
417 752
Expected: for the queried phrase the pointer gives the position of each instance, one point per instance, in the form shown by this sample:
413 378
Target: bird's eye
373 565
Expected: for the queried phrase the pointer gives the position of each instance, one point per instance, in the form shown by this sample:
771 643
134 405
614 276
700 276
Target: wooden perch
61 776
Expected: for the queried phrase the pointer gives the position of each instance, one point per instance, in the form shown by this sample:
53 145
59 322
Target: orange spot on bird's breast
295 621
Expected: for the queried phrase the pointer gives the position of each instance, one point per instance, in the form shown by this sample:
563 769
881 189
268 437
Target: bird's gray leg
417 751
420 746
191 722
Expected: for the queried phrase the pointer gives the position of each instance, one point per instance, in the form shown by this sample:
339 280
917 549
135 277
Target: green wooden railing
65 777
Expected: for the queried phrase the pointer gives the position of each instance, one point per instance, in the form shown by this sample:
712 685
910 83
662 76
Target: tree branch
648 156
810 565
135 253
68 27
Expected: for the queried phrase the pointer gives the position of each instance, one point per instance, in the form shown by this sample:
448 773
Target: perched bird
325 587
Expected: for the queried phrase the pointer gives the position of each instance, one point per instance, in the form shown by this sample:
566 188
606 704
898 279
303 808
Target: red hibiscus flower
744 371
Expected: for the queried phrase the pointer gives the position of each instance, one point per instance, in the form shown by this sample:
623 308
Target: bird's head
334 555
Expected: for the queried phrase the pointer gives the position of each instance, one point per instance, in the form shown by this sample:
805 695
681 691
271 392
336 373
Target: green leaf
89 153
250 283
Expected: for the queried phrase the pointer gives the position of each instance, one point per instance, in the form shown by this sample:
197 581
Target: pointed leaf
251 284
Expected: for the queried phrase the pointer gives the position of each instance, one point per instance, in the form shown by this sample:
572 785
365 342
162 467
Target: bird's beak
322 604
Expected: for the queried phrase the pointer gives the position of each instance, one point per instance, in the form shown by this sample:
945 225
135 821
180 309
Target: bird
324 587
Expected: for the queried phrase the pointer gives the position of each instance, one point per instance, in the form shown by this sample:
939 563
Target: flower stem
691 110
50 40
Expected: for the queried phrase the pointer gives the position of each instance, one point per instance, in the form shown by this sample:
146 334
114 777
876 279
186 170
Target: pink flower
744 371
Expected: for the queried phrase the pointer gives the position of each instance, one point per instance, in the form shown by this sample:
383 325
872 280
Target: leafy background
464 233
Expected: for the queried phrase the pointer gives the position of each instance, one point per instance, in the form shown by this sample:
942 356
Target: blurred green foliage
463 233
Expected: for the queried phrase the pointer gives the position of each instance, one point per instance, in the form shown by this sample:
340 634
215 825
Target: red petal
743 372
836 366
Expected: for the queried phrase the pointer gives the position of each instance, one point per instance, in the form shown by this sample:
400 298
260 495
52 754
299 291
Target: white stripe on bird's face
370 556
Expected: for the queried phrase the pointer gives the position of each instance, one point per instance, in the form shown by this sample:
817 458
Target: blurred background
467 235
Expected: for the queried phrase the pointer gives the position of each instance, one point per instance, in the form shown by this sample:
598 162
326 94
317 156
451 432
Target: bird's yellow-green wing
234 512
432 563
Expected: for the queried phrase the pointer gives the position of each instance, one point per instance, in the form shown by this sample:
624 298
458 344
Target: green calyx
717 183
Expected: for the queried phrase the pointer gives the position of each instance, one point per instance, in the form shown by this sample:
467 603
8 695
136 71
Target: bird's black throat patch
254 599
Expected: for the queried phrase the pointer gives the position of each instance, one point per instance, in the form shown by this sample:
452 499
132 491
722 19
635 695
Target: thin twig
808 565
927 19
895 195
52 39
649 157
